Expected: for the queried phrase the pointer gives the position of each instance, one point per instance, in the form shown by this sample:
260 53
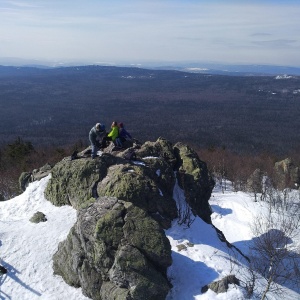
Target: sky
137 31
26 249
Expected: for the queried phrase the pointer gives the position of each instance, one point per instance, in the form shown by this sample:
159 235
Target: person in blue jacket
123 133
95 136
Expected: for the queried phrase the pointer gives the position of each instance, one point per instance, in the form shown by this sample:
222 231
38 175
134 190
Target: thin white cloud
276 43
147 30
261 34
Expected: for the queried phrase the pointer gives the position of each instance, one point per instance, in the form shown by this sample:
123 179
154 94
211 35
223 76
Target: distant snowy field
26 249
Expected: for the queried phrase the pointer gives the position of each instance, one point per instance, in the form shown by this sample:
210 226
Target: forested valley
235 123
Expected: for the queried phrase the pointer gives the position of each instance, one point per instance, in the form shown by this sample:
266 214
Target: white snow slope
26 249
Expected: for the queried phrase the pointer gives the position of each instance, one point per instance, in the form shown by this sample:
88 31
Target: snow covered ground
26 249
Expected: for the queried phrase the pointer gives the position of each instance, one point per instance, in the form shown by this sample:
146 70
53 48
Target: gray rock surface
221 286
194 179
38 217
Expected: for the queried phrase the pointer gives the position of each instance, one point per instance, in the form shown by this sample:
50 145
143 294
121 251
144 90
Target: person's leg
93 146
118 142
94 150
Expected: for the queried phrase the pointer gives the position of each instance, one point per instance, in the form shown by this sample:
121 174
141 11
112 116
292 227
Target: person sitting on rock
112 135
123 133
96 134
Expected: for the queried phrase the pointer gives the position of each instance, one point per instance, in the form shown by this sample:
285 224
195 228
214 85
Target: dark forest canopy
58 106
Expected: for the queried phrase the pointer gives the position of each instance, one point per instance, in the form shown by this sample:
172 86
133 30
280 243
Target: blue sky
242 32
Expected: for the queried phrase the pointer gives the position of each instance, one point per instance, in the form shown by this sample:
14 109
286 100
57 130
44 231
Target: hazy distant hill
240 70
60 105
187 66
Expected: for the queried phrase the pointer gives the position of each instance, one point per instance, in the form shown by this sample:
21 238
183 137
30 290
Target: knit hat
100 127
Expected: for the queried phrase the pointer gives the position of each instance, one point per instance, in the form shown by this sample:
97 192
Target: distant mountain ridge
236 70
194 67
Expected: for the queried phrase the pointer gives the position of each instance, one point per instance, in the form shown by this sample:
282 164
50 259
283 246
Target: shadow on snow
12 273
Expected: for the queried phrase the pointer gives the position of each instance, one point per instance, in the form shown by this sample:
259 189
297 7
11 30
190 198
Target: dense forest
45 113
59 106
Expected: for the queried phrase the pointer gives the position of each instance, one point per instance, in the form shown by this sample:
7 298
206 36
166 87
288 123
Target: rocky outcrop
287 174
115 251
117 248
37 174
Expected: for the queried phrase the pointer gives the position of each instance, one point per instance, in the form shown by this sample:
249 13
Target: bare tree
273 253
255 183
274 258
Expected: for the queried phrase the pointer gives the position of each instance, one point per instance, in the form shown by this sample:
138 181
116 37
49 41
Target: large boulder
287 174
115 251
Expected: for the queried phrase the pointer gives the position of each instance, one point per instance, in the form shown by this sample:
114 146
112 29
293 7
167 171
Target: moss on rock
73 182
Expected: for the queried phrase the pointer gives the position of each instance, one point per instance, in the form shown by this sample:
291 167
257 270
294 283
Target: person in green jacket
112 135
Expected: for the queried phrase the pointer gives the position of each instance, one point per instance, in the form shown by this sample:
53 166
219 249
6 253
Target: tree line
224 164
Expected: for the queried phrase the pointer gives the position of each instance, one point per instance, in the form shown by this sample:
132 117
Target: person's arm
101 134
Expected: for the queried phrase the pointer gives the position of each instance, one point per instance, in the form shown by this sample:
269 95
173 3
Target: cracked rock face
117 249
